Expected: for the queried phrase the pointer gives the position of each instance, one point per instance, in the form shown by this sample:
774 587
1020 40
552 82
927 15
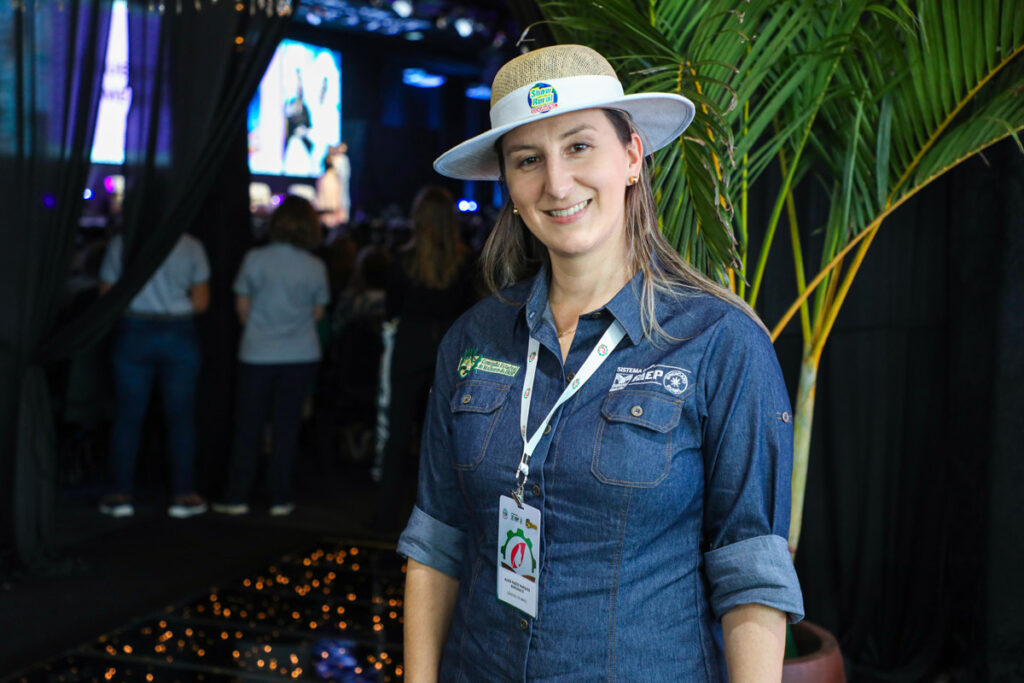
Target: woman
604 487
157 340
281 291
430 284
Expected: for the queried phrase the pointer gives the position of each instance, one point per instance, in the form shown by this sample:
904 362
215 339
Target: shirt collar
624 306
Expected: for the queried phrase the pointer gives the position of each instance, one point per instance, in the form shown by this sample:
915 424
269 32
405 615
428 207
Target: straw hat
558 80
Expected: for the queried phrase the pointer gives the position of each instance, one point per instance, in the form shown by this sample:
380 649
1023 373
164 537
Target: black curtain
192 74
912 547
51 69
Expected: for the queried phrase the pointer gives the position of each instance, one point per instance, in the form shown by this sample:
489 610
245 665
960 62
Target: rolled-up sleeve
433 543
748 462
435 534
756 570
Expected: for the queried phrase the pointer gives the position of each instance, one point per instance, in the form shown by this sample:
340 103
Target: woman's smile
569 212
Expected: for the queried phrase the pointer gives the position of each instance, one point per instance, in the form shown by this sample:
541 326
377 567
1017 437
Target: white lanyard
608 341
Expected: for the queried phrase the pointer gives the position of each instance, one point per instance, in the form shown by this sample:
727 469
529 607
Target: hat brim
661 118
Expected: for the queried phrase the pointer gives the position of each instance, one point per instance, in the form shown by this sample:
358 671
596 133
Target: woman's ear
634 155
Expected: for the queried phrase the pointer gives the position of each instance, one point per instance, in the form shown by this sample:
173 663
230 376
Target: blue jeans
274 391
144 351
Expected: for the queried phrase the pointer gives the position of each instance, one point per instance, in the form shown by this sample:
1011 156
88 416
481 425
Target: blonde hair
437 251
512 253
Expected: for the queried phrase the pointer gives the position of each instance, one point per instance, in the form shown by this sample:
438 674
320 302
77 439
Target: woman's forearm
429 603
754 637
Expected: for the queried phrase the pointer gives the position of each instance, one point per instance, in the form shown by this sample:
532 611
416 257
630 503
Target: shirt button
524 624
466 398
547 429
636 411
569 376
536 490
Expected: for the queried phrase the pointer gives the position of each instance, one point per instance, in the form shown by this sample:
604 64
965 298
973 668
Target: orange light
239 40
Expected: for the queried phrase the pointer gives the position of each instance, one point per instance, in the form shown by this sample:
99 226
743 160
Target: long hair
296 222
437 251
512 253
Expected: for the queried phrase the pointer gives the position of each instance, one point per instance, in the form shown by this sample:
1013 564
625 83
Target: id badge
518 555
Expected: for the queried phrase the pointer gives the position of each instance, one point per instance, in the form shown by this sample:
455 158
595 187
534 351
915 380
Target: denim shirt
663 484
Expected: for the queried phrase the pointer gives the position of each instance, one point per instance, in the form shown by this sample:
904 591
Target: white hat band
537 99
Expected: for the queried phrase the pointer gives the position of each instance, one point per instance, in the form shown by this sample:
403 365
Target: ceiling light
464 27
422 79
402 8
479 92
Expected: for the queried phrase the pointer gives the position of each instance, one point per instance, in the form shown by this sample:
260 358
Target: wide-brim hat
558 80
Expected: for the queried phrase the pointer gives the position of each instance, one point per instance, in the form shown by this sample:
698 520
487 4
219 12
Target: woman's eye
528 161
579 146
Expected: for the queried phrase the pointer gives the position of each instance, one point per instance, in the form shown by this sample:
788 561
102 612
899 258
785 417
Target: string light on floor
334 612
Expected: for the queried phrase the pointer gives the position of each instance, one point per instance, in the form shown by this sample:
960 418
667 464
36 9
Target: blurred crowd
339 325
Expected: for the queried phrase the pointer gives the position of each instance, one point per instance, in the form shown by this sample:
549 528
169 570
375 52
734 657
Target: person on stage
605 467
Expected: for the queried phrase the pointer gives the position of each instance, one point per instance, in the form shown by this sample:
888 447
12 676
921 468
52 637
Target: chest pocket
634 440
476 406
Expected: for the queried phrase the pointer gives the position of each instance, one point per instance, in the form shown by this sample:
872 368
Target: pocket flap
478 396
644 409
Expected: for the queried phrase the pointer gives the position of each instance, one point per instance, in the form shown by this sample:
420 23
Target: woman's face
567 175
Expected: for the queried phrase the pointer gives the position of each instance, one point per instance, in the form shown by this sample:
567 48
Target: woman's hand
754 637
429 603
199 295
242 308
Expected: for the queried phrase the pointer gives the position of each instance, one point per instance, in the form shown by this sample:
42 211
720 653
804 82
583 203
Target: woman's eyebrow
519 147
578 129
567 134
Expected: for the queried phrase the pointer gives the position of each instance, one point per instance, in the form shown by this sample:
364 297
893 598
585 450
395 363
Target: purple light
277 199
49 201
109 184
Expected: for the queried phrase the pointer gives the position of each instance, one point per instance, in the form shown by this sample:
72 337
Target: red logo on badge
518 555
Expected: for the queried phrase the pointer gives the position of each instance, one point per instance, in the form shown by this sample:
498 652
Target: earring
515 211
633 179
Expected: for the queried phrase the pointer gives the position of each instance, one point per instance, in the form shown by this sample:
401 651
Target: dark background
912 544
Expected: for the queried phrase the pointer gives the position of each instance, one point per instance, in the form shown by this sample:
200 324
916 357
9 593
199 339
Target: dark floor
111 574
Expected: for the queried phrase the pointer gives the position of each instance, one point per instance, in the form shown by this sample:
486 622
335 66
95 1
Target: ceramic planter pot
820 660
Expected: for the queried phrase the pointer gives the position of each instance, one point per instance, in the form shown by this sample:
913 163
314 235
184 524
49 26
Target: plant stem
802 443
798 256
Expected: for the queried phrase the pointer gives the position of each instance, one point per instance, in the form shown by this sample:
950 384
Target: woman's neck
579 286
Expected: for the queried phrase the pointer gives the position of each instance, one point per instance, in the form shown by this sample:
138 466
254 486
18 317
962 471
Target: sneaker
282 509
189 505
117 505
231 508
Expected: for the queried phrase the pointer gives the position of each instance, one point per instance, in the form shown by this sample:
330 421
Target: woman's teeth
576 208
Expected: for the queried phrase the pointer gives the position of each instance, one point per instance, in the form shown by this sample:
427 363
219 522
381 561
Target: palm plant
870 100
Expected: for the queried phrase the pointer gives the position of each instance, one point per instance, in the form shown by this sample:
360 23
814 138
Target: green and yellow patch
472 360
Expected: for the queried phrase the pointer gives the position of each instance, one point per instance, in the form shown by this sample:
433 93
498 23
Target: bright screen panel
112 117
296 113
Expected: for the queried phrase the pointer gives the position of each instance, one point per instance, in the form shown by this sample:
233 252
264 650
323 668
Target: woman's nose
558 178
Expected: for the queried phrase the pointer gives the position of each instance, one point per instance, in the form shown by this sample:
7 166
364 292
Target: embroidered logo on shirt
672 379
471 360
